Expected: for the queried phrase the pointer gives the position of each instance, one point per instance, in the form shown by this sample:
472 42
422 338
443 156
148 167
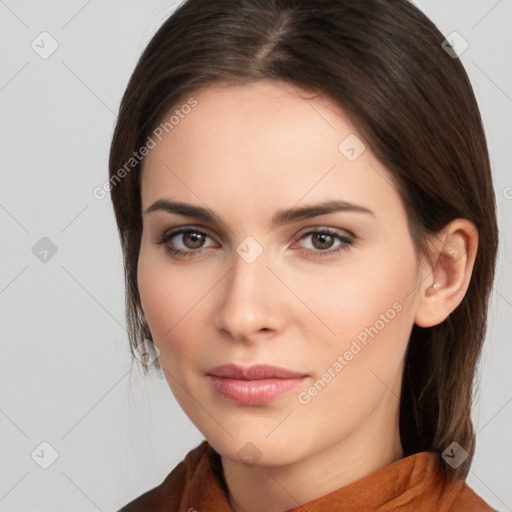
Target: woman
307 217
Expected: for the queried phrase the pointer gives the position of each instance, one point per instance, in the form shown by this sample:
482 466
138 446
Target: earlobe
444 286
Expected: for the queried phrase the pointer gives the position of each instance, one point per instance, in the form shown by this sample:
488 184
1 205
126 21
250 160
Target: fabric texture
412 484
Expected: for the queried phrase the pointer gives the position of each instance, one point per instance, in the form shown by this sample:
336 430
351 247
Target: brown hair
382 62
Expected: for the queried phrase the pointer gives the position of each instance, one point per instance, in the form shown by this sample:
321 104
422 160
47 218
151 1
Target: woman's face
330 296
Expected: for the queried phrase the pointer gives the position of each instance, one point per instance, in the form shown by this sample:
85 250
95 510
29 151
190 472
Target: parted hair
383 63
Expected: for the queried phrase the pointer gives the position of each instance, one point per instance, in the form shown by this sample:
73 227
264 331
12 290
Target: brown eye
184 241
322 241
193 239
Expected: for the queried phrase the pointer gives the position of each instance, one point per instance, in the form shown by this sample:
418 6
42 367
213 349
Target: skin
247 152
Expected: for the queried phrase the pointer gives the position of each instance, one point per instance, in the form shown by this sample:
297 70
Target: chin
253 450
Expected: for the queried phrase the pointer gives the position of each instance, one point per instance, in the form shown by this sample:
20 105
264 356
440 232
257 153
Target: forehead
271 118
268 140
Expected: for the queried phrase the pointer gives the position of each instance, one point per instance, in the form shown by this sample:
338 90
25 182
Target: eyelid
308 230
319 227
345 242
179 230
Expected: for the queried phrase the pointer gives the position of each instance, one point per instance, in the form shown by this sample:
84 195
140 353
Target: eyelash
177 253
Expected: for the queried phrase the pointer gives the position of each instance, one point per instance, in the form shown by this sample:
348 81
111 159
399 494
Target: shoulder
466 500
459 497
168 495
426 487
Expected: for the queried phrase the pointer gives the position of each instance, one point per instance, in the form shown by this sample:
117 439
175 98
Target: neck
280 488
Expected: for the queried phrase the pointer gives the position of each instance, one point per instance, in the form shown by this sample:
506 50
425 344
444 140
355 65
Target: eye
322 242
191 240
186 241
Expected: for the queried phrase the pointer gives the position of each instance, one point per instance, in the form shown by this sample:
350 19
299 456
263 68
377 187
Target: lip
254 385
254 372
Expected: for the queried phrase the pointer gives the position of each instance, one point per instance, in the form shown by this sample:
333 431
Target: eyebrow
280 218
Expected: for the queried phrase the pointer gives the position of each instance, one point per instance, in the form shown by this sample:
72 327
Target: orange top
412 484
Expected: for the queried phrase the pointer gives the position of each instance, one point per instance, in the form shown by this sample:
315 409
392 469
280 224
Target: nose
251 302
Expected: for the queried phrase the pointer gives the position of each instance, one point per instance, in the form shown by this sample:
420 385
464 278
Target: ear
445 282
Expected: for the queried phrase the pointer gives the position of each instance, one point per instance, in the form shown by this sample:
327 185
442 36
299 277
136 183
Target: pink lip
257 371
254 385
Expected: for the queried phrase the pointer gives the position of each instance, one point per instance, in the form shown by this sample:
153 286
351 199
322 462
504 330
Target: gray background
65 369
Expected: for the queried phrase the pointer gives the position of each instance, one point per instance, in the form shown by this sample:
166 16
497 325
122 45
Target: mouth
254 385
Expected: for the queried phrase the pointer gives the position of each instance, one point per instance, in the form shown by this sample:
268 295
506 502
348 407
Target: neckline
393 485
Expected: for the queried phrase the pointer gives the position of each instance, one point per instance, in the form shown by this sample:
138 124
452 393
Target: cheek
162 296
173 298
375 286
361 364
369 307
